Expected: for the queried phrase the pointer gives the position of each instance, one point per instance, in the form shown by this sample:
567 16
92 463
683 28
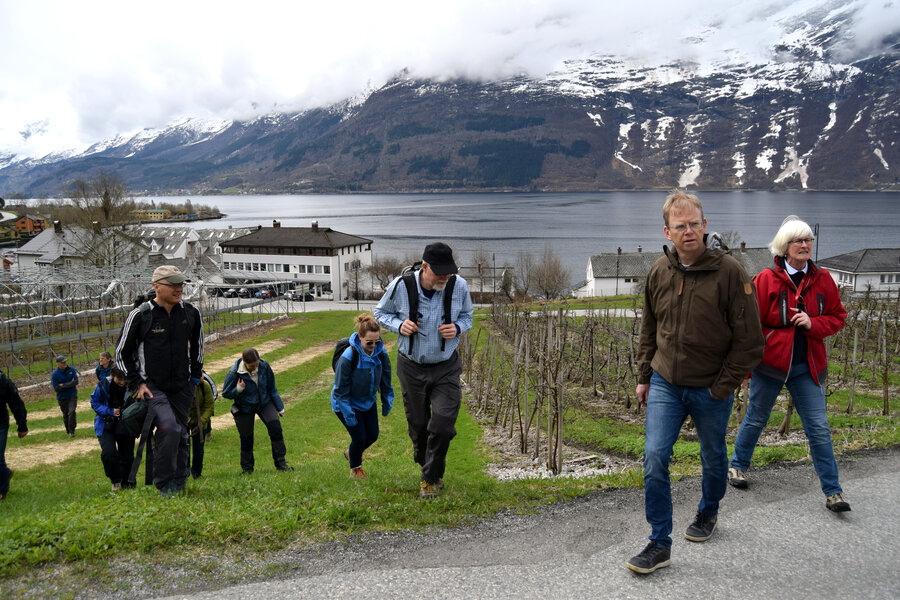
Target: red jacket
776 295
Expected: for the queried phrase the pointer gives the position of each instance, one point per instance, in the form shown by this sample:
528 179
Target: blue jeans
4 470
809 400
668 406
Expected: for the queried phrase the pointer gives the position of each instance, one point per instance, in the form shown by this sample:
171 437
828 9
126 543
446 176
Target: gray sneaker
702 528
651 558
737 478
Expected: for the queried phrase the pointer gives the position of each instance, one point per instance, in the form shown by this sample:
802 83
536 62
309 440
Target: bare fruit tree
101 199
551 277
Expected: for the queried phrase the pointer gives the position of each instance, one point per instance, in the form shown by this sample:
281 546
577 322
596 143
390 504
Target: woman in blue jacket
116 444
251 384
362 370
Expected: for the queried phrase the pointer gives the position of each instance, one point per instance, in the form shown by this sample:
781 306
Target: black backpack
408 275
339 348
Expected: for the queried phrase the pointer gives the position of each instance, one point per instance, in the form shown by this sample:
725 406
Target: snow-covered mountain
811 115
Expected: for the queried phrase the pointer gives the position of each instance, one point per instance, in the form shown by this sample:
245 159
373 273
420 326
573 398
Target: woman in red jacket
799 306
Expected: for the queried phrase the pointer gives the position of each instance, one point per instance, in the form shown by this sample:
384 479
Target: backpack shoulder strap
189 311
448 304
146 318
412 296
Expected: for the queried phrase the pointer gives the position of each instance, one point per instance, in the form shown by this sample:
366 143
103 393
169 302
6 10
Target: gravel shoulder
775 534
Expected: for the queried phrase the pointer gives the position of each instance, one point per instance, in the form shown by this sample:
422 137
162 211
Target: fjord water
575 225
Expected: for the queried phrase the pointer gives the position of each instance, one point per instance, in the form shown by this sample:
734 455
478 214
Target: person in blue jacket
360 373
251 384
116 444
104 366
65 381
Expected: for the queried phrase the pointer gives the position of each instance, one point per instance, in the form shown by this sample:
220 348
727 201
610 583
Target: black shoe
651 558
284 467
247 472
702 528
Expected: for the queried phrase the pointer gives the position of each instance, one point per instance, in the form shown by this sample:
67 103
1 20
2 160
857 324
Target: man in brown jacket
700 336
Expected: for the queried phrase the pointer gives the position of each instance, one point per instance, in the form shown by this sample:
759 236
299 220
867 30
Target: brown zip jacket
700 324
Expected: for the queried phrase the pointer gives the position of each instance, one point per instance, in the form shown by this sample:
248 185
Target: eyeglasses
801 241
171 285
694 226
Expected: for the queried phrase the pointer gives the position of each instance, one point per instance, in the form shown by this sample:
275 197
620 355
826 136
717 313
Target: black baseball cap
439 257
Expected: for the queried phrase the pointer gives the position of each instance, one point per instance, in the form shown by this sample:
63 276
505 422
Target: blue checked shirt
392 311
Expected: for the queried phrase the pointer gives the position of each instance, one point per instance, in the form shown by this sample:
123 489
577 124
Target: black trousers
245 422
116 453
197 442
171 444
363 434
431 399
68 408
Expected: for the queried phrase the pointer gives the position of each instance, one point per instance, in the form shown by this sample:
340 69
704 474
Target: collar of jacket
710 260
356 343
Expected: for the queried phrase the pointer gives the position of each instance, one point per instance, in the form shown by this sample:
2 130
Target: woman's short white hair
791 229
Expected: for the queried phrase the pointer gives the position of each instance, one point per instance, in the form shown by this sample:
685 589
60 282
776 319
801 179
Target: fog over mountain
546 96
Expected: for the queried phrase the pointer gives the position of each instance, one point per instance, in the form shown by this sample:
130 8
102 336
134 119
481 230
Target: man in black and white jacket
161 352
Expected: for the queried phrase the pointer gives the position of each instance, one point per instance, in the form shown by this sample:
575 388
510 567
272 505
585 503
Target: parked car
297 296
244 293
264 293
230 293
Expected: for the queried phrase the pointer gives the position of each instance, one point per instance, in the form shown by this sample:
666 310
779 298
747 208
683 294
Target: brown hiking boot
428 490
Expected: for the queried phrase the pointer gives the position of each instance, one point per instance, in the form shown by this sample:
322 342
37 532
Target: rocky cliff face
802 120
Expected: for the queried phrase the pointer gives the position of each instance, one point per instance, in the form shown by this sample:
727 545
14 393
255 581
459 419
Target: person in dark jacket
800 306
362 371
251 384
9 397
160 350
65 381
116 444
699 339
104 366
201 413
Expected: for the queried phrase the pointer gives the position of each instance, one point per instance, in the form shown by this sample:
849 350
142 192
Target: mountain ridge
800 120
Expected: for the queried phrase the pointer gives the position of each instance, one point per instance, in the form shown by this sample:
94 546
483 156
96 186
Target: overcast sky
73 73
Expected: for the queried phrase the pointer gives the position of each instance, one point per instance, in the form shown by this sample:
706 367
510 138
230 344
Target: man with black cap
428 364
161 352
65 382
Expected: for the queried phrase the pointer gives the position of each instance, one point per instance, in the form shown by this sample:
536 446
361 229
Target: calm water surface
574 225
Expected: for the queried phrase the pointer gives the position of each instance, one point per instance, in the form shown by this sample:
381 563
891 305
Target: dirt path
23 458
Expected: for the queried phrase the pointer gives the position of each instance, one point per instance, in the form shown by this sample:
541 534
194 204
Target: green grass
65 512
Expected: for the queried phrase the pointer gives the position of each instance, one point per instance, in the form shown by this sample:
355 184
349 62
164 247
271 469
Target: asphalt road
774 540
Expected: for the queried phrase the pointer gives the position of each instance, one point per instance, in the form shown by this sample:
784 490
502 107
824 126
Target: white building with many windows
318 257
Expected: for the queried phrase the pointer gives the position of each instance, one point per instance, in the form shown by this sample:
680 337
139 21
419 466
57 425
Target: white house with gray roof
619 273
870 269
70 246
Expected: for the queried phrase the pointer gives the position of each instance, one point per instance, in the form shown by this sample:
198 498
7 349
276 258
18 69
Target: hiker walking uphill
251 384
9 397
362 370
699 338
65 383
430 309
116 442
160 351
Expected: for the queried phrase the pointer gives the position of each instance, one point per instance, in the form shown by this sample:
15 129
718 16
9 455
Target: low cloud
91 70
